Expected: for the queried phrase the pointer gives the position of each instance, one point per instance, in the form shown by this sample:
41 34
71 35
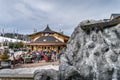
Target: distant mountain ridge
14 35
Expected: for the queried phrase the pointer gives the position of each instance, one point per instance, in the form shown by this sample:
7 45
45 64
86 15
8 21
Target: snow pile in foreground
27 70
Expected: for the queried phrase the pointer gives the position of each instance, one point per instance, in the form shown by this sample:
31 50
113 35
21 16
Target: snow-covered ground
27 70
3 39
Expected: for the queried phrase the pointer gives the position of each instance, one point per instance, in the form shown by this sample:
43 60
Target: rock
93 53
49 74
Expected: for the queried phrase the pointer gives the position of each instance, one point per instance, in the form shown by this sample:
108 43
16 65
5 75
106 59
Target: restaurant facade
47 40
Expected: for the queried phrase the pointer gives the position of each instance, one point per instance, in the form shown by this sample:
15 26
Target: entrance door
32 47
59 48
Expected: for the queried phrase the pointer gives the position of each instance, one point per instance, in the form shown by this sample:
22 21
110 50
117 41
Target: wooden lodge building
47 40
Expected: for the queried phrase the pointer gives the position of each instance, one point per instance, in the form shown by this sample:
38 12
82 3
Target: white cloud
23 10
26 15
39 5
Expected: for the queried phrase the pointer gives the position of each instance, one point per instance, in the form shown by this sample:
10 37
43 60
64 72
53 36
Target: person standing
38 56
12 58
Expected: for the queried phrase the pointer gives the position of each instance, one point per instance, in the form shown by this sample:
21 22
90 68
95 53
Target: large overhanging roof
47 30
47 39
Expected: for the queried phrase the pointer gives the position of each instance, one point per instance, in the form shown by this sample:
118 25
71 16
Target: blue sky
25 15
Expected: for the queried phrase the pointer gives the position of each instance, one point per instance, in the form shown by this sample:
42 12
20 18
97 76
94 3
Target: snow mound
27 70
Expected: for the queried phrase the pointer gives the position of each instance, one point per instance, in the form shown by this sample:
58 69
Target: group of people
47 55
35 56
